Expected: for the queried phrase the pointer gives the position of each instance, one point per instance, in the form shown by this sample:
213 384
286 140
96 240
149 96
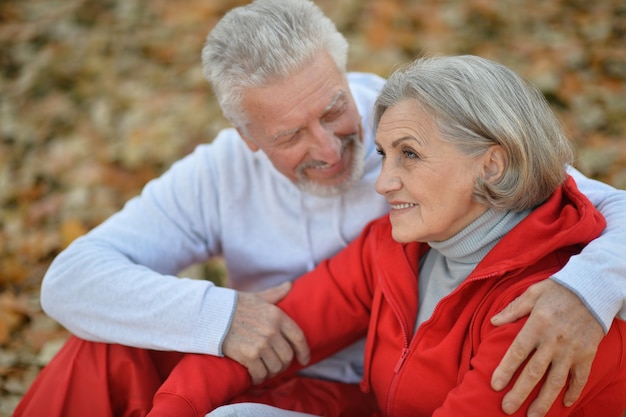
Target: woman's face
427 181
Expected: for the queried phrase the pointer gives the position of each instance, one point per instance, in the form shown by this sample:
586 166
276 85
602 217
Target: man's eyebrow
285 133
340 94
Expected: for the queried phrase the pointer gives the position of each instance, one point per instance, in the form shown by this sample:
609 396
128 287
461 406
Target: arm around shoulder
598 274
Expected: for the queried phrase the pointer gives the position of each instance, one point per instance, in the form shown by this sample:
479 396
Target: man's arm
569 314
118 284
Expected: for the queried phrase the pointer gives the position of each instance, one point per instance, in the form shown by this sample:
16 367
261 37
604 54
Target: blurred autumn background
97 97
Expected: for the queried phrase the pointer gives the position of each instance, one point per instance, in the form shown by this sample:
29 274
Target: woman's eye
380 152
409 153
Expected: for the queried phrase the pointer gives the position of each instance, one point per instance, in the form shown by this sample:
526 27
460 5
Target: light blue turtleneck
450 261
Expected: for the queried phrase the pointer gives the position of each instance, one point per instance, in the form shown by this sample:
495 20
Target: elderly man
288 186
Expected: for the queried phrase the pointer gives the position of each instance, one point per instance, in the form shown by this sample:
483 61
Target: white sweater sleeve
598 274
117 284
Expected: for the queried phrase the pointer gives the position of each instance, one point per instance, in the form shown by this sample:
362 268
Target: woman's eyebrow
407 138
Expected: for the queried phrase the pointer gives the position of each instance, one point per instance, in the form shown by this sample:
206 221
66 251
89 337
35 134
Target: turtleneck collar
449 262
471 244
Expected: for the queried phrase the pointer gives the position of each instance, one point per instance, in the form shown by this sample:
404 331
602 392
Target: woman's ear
495 162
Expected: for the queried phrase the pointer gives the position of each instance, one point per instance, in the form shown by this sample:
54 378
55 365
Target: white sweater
118 283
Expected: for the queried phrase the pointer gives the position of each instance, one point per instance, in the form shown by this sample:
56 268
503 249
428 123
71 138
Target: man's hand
262 337
566 337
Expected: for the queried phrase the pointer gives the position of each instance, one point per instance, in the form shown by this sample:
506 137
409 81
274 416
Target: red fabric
444 369
97 380
103 380
223 385
313 396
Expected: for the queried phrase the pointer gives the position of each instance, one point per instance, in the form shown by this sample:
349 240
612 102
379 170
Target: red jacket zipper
401 359
407 341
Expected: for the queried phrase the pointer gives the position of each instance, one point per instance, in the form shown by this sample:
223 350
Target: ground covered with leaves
97 97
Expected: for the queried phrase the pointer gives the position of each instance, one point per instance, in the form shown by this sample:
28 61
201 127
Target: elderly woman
481 208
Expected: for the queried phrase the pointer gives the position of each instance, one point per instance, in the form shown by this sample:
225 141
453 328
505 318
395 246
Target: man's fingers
519 307
297 341
577 381
512 360
275 294
257 370
532 373
282 351
262 337
261 362
275 356
564 336
273 362
555 381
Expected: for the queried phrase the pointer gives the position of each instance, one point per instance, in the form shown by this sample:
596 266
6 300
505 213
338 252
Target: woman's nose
387 181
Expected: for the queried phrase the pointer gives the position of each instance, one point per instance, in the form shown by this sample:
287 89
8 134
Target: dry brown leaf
12 270
70 230
13 312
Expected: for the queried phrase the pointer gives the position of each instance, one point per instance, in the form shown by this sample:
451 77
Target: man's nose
325 145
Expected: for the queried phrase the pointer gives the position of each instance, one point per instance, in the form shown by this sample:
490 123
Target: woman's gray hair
263 42
477 103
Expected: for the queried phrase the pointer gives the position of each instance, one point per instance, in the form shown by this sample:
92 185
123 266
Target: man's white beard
356 172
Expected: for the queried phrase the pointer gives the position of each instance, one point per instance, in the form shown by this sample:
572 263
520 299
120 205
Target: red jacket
443 369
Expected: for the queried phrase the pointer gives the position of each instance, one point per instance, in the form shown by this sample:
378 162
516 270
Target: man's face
309 127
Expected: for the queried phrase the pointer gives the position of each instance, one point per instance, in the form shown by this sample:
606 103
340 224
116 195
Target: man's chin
341 182
323 189
337 187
